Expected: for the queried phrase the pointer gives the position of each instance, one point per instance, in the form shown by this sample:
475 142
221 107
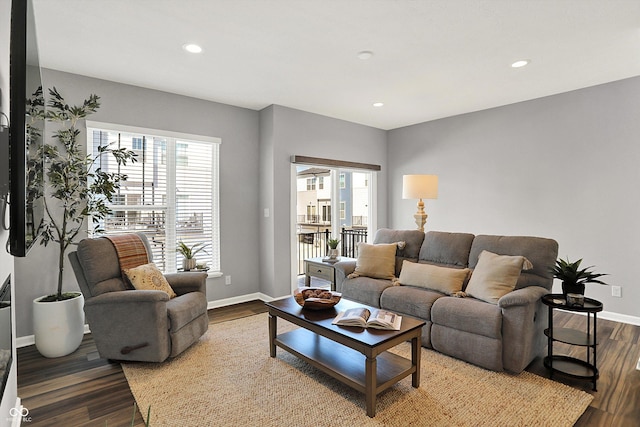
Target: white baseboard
242 298
622 318
234 300
30 340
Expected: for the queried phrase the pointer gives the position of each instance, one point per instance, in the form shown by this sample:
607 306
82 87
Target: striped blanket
130 249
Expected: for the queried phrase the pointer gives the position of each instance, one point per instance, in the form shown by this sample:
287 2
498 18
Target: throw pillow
148 277
495 276
441 279
376 261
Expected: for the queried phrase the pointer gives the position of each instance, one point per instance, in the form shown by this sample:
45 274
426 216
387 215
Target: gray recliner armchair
137 325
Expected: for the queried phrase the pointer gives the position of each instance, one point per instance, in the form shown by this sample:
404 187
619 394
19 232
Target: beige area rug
228 379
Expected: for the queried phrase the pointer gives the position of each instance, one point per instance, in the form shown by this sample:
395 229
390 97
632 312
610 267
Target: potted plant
189 254
73 190
333 248
573 278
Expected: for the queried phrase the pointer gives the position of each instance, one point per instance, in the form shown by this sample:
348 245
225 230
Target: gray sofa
503 336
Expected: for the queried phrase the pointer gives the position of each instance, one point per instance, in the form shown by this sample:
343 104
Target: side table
567 365
316 267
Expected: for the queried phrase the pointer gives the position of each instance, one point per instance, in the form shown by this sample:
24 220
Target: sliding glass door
331 203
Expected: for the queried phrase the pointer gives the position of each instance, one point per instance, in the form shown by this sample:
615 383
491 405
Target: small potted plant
333 248
189 254
573 278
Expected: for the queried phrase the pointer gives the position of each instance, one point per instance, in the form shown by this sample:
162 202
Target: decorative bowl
316 298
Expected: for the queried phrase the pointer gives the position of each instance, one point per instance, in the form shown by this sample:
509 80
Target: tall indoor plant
73 191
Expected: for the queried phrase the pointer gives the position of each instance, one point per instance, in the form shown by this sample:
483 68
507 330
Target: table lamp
420 187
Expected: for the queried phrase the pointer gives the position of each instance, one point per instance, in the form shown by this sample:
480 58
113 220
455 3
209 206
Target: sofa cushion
540 251
495 276
451 249
365 290
442 279
409 300
376 261
469 315
413 241
148 277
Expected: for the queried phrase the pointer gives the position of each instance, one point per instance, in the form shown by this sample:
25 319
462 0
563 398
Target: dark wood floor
83 390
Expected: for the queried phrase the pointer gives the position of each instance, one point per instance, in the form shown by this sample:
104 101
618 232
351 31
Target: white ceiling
432 58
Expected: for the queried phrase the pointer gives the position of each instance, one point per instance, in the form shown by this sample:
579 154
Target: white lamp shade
420 186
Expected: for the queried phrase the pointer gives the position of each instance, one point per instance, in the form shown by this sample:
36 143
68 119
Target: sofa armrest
524 296
188 281
524 318
343 269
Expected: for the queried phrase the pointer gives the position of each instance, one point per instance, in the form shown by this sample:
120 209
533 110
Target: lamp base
421 220
420 216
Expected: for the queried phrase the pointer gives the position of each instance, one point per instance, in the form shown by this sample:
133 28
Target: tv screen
26 131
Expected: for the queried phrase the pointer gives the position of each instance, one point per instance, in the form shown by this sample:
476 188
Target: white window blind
171 192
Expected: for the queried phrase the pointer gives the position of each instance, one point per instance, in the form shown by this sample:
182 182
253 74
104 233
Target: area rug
228 379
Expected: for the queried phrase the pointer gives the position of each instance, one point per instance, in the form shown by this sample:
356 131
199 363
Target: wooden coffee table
355 356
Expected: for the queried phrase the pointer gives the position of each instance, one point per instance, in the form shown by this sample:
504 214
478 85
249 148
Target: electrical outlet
227 280
616 291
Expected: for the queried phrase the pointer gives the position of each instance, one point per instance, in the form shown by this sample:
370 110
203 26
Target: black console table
566 365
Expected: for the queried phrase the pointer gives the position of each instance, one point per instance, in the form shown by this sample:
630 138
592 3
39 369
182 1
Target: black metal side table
567 365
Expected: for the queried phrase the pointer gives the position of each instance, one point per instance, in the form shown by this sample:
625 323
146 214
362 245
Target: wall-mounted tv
26 130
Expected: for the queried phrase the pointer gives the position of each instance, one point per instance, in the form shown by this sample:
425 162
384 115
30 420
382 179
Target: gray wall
128 105
286 132
564 166
255 174
6 260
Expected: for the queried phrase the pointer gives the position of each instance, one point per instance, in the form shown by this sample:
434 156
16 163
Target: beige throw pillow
441 279
148 277
495 276
376 261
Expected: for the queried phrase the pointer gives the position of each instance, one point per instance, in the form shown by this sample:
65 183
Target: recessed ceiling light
378 104
365 54
192 48
521 63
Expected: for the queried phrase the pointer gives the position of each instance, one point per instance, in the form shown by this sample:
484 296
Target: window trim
216 271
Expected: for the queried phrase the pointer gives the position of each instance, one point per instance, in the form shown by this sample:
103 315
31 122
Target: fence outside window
314 244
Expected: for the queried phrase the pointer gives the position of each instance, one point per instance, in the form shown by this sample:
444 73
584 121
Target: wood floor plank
80 390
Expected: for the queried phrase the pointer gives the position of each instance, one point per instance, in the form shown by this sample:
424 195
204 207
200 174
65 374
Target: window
343 210
137 144
171 193
321 183
343 183
311 184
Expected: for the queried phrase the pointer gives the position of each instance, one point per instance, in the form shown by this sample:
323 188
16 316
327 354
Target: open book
362 317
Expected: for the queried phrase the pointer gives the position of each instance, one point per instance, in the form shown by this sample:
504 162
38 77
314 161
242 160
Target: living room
561 164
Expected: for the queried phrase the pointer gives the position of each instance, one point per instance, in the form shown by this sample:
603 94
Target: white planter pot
58 326
188 264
